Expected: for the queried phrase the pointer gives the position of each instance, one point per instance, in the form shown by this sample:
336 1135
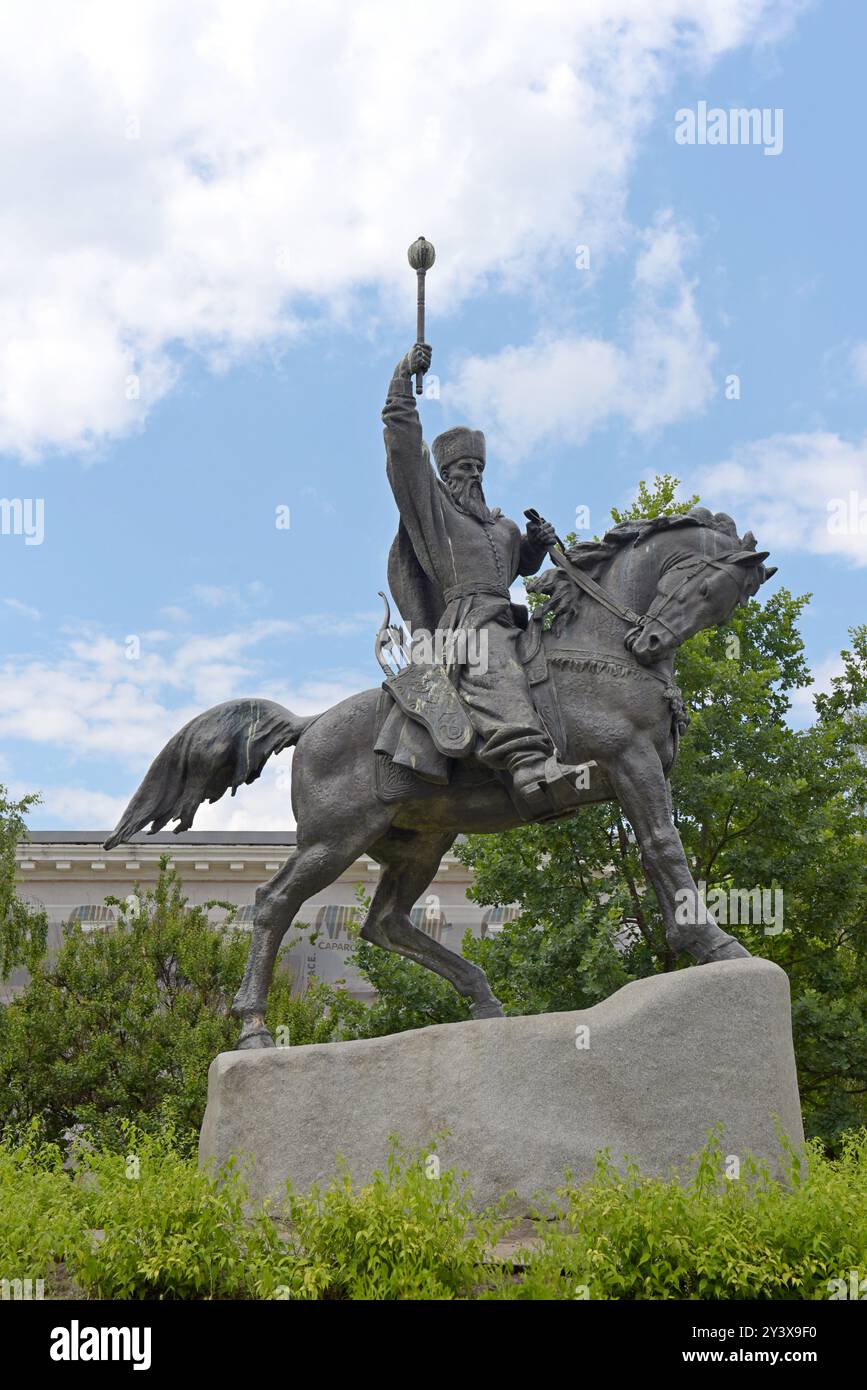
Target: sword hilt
532 515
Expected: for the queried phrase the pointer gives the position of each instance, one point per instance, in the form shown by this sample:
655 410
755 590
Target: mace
421 257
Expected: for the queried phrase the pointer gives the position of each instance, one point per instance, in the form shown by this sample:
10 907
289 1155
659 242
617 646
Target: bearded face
463 478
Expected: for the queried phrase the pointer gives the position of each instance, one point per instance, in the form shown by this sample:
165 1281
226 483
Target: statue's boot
544 786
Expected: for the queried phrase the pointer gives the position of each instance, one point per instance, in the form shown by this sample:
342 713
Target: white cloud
81 809
802 699
203 174
859 363
796 492
93 703
557 390
266 805
23 609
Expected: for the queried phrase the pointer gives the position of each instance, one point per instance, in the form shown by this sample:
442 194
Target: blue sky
217 205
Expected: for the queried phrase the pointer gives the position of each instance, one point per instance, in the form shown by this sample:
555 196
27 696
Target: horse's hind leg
410 864
319 859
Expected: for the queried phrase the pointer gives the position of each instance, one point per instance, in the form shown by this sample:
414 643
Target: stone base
667 1058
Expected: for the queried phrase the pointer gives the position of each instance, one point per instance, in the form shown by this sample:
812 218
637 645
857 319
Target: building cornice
198 855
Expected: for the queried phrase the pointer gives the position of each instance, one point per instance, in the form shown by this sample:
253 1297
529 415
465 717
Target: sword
583 581
532 515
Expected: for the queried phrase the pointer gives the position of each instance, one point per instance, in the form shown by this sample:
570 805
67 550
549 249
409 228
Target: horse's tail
222 748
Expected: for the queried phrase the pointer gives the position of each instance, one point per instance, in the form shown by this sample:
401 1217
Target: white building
69 874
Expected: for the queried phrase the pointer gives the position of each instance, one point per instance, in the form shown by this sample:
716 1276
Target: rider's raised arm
407 464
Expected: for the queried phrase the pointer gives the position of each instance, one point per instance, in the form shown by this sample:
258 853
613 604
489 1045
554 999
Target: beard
469 497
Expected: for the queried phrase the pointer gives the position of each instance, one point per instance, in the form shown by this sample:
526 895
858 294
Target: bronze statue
578 707
450 569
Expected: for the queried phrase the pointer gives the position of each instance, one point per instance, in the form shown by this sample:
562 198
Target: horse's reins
595 591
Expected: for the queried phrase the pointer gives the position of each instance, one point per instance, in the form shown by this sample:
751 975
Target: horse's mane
562 598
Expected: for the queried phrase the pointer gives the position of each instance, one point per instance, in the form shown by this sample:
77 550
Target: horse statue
610 618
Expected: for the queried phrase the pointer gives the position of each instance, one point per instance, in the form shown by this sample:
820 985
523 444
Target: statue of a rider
450 568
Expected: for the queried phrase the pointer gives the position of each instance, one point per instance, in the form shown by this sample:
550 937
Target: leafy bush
42 1218
623 1236
125 1022
23 929
406 1235
147 1223
164 1229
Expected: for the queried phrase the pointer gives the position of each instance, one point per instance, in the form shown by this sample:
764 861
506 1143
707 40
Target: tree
127 1019
22 930
758 804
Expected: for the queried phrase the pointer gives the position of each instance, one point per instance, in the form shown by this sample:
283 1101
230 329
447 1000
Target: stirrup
555 790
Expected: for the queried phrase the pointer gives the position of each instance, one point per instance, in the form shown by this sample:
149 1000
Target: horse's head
697 589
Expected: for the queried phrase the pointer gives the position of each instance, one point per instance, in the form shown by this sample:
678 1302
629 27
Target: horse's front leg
639 783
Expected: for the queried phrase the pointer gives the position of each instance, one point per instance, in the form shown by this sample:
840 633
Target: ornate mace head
421 255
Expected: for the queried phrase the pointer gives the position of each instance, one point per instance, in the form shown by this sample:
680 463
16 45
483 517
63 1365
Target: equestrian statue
488 718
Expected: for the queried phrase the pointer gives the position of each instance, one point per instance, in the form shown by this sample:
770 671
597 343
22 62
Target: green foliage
624 1236
658 500
148 1223
126 1021
22 930
165 1229
409 1234
555 965
145 1222
41 1213
321 1014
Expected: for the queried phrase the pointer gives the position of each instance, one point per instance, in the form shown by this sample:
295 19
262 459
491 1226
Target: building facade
69 875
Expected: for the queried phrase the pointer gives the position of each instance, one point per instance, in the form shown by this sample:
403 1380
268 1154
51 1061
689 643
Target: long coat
443 562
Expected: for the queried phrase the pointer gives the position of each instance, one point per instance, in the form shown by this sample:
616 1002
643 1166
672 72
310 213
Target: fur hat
458 443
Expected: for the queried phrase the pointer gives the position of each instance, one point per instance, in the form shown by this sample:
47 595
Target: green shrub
162 1228
125 1022
147 1223
623 1236
408 1234
42 1216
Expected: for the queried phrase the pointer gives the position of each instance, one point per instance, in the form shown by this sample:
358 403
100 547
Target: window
92 916
430 920
627 936
334 918
495 918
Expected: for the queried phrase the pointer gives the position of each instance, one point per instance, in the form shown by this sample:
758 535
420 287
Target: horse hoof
492 1008
729 950
254 1040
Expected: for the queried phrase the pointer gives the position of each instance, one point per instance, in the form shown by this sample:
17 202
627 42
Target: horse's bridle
693 564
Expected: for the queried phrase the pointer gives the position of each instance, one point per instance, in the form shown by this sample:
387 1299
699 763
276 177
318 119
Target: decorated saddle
424 727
